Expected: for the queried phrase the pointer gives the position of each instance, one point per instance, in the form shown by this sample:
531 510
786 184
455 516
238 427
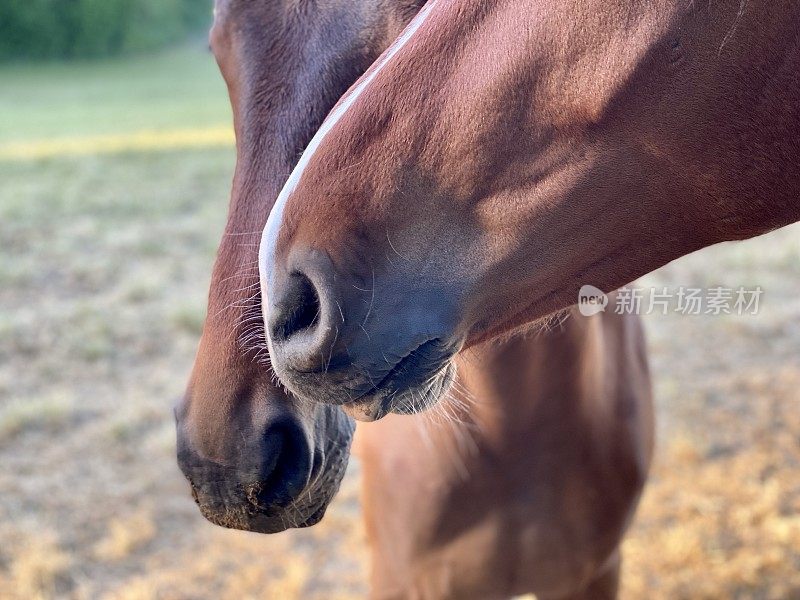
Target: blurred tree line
92 28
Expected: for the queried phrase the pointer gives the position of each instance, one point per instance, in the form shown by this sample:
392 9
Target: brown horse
523 480
502 154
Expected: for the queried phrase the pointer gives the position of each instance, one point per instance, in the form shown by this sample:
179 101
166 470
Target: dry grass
39 569
138 141
724 521
46 413
103 276
126 534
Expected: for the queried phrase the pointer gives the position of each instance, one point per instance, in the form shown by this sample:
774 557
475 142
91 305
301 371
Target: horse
523 479
501 155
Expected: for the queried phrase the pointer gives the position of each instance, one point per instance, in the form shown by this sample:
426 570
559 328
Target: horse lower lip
404 396
412 370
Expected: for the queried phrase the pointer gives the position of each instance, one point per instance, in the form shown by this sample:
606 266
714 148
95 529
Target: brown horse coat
523 479
530 489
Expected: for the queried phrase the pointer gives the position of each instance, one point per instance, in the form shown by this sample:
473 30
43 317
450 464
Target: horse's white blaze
269 237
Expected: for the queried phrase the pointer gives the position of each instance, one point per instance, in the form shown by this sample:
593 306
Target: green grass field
105 257
180 88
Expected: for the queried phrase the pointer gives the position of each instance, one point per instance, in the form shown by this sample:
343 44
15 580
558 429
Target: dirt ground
104 268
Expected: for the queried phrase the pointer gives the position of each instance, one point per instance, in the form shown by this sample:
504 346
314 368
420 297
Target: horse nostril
286 467
297 309
301 321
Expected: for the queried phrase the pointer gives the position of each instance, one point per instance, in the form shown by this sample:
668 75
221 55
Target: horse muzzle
335 338
281 478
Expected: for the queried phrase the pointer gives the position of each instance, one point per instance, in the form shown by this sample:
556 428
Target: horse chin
406 401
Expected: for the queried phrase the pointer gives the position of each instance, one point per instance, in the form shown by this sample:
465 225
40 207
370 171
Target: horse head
258 457
501 155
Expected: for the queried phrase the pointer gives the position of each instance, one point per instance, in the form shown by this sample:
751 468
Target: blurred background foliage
63 29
